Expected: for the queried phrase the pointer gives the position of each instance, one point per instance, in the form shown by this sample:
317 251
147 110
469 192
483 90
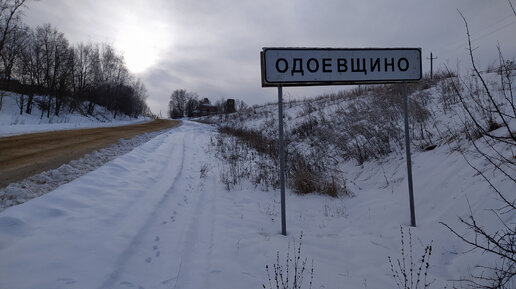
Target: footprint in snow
156 239
148 259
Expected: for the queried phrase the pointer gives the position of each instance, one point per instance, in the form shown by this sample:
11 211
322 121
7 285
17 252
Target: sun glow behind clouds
142 42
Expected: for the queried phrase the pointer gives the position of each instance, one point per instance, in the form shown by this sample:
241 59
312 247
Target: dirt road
26 155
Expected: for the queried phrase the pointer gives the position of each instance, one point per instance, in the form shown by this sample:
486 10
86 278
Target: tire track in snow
177 149
174 246
197 244
193 245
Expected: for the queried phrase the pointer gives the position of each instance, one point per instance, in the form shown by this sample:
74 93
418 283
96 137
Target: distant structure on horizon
205 108
230 106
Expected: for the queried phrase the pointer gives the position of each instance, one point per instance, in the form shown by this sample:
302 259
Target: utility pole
431 65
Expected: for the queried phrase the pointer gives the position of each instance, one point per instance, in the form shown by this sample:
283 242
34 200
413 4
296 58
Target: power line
487 33
482 33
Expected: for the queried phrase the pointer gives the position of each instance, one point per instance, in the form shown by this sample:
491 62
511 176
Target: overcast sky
212 46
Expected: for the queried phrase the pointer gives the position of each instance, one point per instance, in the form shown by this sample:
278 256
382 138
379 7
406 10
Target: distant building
205 108
230 106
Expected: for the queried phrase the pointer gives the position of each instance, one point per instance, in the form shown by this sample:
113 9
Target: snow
12 123
153 212
152 218
44 182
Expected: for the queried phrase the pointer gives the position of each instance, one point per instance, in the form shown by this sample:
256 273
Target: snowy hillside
13 123
195 208
351 144
366 124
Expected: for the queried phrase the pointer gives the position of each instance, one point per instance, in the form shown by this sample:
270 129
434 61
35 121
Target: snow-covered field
159 217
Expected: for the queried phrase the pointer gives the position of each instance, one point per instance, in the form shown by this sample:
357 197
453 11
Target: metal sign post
282 162
407 150
338 66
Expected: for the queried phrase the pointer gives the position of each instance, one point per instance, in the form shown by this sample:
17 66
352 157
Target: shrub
411 273
289 275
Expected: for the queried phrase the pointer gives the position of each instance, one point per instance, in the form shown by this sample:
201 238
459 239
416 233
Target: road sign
336 66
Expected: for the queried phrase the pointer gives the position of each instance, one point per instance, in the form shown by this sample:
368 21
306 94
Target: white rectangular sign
334 66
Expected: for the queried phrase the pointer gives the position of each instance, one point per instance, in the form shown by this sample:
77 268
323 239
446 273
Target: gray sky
212 46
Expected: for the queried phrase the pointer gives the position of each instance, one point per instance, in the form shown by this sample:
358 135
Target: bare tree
512 7
241 105
54 47
192 103
64 73
9 14
139 106
177 103
489 130
82 74
29 69
12 50
82 68
221 105
43 62
10 56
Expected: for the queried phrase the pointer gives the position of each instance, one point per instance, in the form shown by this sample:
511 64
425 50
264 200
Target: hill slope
13 123
351 144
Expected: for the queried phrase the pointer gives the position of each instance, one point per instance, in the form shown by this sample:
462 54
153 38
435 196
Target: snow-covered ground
44 182
12 123
159 217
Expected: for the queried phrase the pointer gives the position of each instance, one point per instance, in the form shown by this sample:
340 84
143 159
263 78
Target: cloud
212 46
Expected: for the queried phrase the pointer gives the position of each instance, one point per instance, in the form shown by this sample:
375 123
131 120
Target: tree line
41 61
